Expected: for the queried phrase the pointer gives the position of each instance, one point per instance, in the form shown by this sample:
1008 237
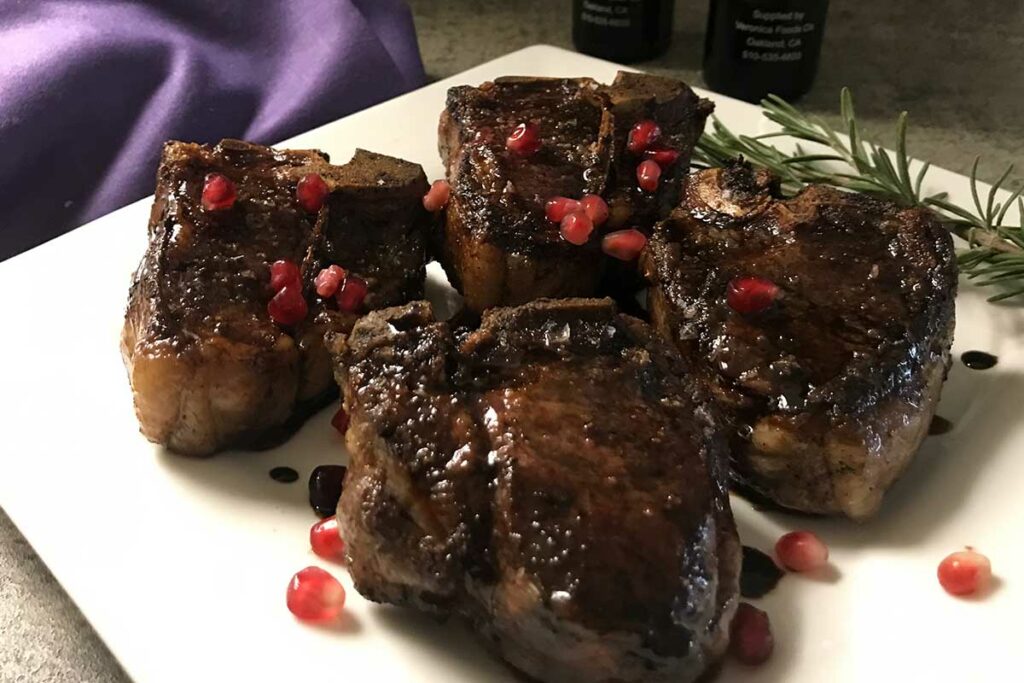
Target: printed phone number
772 56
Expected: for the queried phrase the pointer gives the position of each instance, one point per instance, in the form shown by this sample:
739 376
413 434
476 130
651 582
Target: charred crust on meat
832 388
553 474
208 367
495 243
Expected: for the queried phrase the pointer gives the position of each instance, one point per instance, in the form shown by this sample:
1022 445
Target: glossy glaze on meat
208 367
496 245
832 388
552 475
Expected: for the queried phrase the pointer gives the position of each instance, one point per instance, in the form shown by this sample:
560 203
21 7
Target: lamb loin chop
208 366
822 323
497 246
553 475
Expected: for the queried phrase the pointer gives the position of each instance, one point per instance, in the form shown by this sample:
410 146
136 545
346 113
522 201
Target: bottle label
775 36
613 14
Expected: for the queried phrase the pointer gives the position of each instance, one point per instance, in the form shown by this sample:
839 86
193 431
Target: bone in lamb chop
497 246
821 323
553 475
209 368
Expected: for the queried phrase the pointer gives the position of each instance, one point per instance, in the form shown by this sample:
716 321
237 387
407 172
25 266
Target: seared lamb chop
497 246
680 114
553 475
208 367
831 348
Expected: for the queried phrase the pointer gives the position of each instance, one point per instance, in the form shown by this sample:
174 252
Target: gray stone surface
957 66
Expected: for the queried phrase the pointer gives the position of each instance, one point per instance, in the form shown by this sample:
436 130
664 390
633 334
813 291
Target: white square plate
181 565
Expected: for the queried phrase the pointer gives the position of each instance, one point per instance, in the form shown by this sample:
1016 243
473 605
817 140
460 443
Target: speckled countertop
957 67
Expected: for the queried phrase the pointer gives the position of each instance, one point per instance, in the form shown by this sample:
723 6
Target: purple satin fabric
90 89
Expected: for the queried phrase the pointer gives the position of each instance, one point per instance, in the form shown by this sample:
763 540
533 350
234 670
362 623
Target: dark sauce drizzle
939 425
978 360
760 574
325 488
285 475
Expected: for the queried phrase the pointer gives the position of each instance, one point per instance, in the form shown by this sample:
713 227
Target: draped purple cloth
90 89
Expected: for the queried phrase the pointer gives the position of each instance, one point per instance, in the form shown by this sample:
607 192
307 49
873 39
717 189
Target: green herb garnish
995 253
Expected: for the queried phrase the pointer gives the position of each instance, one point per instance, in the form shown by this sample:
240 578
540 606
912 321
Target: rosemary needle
995 250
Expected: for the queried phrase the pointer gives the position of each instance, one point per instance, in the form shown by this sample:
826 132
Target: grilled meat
552 475
208 367
497 246
832 387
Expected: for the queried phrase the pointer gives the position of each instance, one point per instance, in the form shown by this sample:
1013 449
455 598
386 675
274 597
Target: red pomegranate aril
283 273
524 140
288 306
624 245
314 595
965 572
751 294
219 192
801 551
750 635
328 280
558 208
595 207
437 196
325 539
312 192
648 173
351 294
663 156
576 228
642 135
340 421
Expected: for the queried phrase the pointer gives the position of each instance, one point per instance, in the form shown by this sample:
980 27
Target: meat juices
553 475
497 245
830 387
208 366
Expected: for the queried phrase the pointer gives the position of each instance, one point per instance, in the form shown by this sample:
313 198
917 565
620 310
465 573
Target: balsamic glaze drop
285 475
760 574
978 360
939 425
325 488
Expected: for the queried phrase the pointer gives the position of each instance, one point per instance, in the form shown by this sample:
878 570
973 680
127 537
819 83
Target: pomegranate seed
288 306
558 208
340 421
314 595
595 208
524 140
801 551
219 192
283 273
328 280
312 192
648 173
663 156
576 228
641 135
965 572
750 635
351 294
624 245
325 539
437 196
751 294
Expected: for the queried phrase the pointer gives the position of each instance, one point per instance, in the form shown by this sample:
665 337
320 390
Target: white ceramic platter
181 565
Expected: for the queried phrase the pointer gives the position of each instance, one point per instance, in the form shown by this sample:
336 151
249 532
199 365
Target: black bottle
622 30
757 47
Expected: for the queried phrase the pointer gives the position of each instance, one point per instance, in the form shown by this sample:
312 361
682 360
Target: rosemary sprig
995 253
